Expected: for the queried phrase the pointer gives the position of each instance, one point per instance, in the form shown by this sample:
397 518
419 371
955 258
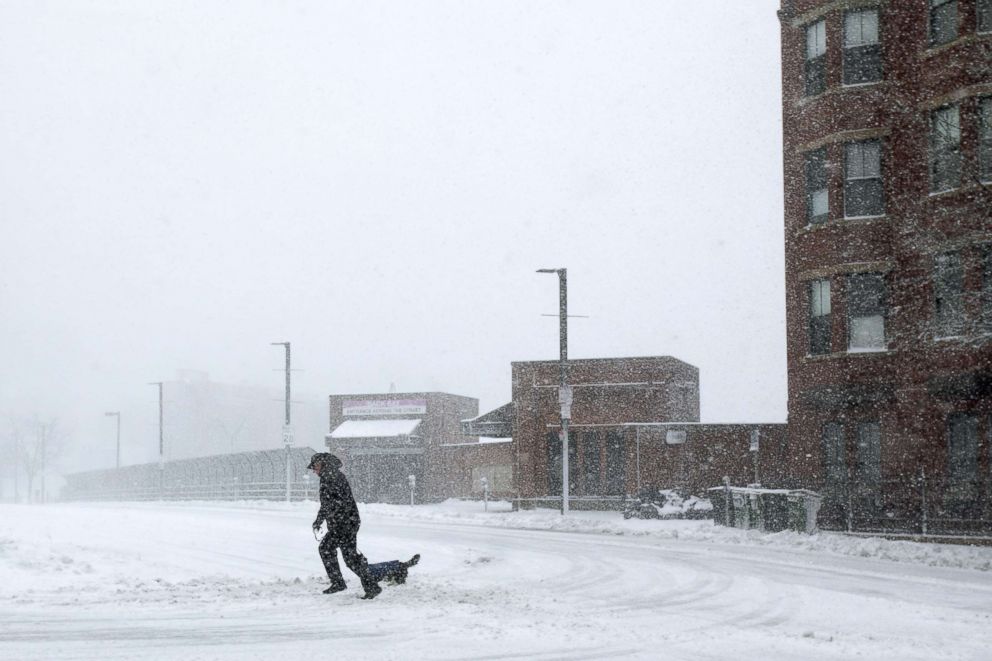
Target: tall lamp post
117 414
161 444
564 391
287 431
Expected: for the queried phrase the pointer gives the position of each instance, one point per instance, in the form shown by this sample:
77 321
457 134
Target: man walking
338 509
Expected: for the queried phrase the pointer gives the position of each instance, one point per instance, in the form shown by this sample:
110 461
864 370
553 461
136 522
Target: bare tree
8 456
36 443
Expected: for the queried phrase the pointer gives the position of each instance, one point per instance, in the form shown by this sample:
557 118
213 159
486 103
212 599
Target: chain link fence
242 476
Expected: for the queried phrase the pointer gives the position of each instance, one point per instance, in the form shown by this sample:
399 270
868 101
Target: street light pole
161 444
287 431
117 414
564 392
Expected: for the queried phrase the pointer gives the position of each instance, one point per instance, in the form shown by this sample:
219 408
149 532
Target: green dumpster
775 511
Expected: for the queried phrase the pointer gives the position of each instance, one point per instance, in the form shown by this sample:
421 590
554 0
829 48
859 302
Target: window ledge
803 101
847 354
806 100
857 86
854 220
954 191
808 227
933 51
980 337
860 219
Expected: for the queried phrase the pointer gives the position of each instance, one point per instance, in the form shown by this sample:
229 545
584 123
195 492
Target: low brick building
383 439
608 393
635 425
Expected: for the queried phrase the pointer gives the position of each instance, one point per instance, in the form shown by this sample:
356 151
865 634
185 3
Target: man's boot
335 587
372 591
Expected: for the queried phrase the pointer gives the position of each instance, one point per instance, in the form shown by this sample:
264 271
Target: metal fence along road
242 476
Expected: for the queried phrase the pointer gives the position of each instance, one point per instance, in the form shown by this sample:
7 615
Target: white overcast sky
182 183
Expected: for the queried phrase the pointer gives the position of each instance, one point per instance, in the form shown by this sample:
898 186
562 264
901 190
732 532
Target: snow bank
612 523
500 515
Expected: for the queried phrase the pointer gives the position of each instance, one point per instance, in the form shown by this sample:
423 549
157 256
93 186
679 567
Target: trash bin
744 514
775 511
747 509
723 507
804 505
770 510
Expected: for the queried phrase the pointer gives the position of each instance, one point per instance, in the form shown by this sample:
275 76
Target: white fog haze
183 183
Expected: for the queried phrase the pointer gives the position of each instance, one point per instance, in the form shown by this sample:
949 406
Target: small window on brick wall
948 284
943 21
985 15
819 317
868 468
863 194
962 457
816 58
817 199
862 50
834 458
985 137
866 304
945 149
986 296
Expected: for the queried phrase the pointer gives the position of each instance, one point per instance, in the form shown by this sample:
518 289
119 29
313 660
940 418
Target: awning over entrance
496 423
374 429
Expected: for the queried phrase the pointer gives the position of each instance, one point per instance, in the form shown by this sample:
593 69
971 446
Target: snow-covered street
243 581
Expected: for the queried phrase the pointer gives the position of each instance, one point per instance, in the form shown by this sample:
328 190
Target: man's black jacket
337 506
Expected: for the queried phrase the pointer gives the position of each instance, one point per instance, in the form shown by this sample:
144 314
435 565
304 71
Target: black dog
393 571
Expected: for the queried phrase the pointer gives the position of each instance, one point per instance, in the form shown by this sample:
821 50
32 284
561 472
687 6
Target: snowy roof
374 428
483 440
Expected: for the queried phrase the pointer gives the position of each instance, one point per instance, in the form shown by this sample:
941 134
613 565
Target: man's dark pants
347 541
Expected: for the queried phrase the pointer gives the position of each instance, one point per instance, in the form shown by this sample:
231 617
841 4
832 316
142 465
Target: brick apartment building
887 121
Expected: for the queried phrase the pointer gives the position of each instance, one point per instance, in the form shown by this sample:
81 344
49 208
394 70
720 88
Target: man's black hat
324 458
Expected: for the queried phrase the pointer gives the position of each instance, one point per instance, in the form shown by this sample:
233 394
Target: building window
948 286
945 149
943 21
862 51
985 137
987 289
819 317
962 457
863 195
868 466
866 305
816 58
834 458
817 199
985 15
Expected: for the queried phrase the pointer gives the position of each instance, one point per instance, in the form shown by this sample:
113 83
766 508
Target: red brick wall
902 244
